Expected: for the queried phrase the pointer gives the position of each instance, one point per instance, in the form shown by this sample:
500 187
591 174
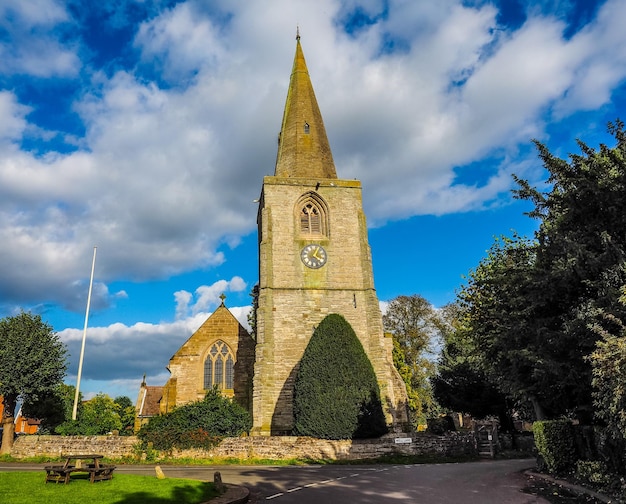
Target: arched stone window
219 367
312 215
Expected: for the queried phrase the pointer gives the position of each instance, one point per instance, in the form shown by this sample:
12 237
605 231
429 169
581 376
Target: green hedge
336 394
554 440
199 424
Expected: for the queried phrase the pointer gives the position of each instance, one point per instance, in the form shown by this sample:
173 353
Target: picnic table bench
96 470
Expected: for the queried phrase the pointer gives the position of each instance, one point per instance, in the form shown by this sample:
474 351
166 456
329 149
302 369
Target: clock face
313 256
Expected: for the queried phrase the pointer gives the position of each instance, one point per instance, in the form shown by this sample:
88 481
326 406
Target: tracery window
310 221
219 367
312 215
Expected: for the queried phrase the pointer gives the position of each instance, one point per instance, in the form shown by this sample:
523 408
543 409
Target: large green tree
501 344
100 415
32 364
416 327
531 304
54 408
461 383
126 411
581 252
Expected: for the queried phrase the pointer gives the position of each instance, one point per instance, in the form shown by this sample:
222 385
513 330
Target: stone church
220 353
314 260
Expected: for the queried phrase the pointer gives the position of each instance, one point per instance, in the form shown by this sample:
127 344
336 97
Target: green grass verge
28 487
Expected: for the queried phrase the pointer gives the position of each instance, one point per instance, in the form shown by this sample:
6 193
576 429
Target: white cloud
182 39
601 47
165 174
117 356
13 116
29 47
182 298
33 12
206 296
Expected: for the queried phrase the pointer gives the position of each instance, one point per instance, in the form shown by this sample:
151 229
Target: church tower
314 260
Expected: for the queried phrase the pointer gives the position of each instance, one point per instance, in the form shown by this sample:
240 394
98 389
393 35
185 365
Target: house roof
149 399
303 148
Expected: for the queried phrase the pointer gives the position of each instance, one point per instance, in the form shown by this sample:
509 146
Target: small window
219 367
307 128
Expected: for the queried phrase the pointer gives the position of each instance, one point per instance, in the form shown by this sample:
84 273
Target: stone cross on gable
222 297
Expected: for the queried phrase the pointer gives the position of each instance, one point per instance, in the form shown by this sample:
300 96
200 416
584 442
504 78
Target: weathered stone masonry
293 298
260 447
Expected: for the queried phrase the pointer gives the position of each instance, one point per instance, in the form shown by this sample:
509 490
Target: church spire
303 148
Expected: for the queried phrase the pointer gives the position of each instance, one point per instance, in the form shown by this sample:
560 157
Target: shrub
440 425
200 424
98 416
555 443
593 471
336 395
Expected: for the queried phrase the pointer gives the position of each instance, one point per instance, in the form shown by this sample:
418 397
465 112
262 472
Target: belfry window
219 367
312 215
310 220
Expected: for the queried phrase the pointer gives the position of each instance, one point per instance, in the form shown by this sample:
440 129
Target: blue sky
145 128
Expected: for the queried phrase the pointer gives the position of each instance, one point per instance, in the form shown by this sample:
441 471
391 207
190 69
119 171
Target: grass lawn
30 487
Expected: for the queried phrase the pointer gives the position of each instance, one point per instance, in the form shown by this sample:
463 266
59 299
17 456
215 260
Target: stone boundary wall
57 446
259 447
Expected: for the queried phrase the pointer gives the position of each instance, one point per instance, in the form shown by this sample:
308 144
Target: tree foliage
32 364
126 410
336 394
530 304
416 327
554 440
504 348
460 383
252 314
608 364
581 249
199 424
54 408
99 415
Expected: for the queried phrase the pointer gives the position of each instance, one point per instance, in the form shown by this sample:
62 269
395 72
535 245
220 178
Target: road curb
235 494
570 486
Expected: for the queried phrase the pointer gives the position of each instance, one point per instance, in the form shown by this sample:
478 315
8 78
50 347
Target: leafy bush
440 425
593 471
336 395
200 424
555 443
100 415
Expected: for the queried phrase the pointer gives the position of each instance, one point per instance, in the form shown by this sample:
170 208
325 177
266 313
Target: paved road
484 482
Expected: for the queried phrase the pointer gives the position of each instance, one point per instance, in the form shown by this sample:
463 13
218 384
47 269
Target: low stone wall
57 446
258 447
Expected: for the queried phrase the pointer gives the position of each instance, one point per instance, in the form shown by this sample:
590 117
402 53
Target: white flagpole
82 349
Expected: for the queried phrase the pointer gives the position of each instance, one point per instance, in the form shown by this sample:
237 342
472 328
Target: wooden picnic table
97 471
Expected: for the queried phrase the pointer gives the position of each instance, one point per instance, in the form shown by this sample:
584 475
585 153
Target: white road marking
310 485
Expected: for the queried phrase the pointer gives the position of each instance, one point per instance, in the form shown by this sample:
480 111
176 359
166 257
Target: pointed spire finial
303 148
